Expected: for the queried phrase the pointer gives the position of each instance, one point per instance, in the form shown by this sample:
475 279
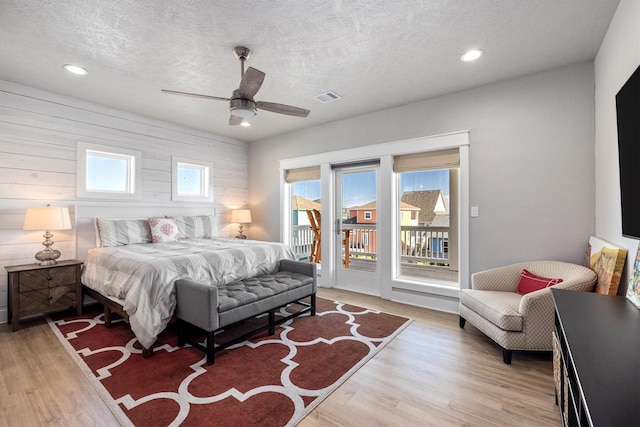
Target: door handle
338 230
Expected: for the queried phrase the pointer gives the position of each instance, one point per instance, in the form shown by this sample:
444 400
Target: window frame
133 177
206 180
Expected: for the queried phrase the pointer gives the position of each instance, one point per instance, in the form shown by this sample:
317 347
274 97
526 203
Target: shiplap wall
39 132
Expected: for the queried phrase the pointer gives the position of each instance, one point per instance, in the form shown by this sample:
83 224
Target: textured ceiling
376 54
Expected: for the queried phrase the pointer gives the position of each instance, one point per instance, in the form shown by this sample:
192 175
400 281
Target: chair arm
197 303
503 278
538 314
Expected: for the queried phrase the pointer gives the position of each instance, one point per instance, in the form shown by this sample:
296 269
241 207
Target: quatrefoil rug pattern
269 380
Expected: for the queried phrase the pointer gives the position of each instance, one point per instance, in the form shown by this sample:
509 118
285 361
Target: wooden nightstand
38 289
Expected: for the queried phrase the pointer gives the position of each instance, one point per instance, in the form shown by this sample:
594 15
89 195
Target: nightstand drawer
42 300
47 278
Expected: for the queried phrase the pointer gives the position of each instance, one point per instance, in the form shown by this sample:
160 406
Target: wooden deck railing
419 244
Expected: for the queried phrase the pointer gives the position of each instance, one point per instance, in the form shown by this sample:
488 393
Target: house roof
301 204
426 200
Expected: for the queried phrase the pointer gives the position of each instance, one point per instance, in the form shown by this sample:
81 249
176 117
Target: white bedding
143 275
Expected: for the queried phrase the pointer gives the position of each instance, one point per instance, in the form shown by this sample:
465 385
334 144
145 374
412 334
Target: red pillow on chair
529 282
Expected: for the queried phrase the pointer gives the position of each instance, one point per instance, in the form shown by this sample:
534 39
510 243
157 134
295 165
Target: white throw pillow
164 230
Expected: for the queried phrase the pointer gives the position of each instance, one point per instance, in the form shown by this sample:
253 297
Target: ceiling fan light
243 112
245 123
242 107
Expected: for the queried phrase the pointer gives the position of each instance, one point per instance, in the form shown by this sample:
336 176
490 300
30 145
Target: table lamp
48 218
241 216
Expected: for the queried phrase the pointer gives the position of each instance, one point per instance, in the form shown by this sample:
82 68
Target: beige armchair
512 320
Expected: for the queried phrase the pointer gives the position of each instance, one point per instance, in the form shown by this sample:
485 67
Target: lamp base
48 256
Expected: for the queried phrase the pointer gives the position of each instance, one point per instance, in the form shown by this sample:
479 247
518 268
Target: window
108 172
428 186
367 215
304 190
191 180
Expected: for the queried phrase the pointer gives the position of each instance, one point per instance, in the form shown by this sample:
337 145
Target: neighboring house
431 203
433 213
300 206
367 215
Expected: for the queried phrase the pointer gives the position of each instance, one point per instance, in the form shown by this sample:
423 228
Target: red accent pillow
529 282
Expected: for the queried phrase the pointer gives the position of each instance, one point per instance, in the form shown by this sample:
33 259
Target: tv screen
628 110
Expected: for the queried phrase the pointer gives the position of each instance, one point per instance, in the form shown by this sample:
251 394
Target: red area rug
268 381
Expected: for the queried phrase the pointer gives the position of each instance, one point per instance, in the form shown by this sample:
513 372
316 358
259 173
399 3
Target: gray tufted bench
210 308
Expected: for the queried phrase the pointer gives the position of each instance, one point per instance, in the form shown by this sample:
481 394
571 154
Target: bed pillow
164 230
195 227
529 282
118 232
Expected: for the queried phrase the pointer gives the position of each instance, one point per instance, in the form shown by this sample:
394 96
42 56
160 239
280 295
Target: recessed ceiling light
472 55
75 69
245 123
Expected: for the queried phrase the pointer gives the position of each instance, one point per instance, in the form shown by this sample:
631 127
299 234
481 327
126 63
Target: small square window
191 180
108 172
367 215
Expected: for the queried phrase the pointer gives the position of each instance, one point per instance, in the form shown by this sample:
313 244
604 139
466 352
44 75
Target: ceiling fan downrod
242 53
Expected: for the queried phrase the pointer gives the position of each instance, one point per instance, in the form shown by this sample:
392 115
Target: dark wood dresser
36 289
597 357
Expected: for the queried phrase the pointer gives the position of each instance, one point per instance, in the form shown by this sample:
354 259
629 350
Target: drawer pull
50 297
49 278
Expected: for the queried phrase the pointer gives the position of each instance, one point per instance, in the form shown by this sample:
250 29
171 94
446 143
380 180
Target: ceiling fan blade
235 120
282 109
251 82
175 92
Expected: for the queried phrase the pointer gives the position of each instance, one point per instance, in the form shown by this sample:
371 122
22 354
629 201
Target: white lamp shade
241 216
49 218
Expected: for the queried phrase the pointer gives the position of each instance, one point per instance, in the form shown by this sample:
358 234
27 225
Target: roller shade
443 159
302 174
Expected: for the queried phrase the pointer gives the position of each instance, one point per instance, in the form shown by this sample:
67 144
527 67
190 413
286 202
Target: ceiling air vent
327 97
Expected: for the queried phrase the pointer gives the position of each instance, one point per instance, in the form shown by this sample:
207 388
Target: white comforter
143 275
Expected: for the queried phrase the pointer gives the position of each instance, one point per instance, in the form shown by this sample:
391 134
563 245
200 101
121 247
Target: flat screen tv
628 110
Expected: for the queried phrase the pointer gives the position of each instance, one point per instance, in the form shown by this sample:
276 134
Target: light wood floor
432 374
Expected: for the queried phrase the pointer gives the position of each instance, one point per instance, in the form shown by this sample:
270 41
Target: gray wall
531 161
617 59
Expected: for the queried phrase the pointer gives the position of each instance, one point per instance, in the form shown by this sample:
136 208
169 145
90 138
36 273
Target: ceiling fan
241 103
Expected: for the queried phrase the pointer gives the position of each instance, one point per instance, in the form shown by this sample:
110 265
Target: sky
360 188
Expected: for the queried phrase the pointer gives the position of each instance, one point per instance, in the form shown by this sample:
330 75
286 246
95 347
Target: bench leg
272 322
210 348
181 333
147 352
313 304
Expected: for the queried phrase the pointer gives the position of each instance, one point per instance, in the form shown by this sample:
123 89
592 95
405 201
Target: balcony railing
424 244
419 244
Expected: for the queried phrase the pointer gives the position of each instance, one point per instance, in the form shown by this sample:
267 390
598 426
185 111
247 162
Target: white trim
134 172
385 153
206 180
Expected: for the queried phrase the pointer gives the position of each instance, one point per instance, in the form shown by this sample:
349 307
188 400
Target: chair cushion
499 308
529 282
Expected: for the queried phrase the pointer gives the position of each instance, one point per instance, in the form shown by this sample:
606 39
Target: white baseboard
4 315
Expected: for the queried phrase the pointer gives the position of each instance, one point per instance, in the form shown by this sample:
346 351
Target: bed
135 267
